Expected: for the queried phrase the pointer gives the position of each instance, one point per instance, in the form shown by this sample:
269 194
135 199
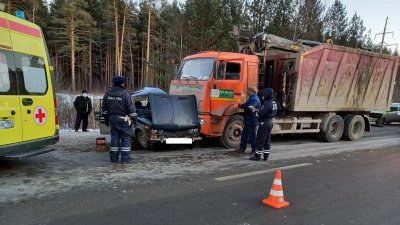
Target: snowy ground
78 164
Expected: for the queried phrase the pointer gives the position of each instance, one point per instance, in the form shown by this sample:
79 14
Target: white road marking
237 176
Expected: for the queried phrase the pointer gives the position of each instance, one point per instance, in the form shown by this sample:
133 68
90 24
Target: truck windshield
196 69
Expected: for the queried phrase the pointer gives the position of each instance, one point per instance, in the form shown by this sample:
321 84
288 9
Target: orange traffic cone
275 198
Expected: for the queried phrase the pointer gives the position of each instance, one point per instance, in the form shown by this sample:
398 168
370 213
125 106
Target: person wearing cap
265 116
83 107
117 103
250 120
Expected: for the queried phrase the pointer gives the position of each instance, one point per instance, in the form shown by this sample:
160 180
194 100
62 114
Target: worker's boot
256 157
266 154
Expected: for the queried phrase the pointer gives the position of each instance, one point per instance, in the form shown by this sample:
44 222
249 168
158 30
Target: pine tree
367 41
396 51
336 23
205 24
258 14
355 32
283 15
310 20
70 24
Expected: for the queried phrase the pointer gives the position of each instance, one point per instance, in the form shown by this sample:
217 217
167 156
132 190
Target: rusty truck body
324 88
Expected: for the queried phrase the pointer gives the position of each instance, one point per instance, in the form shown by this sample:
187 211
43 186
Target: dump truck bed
332 78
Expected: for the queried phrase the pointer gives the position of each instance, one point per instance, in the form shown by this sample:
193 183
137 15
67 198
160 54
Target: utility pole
148 45
383 35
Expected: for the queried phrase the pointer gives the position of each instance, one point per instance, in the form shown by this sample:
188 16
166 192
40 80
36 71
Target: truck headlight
201 121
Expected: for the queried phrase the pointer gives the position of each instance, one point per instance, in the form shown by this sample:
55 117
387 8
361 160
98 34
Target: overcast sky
374 13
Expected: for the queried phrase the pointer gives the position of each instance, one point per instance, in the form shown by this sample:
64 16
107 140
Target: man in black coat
83 107
265 115
117 103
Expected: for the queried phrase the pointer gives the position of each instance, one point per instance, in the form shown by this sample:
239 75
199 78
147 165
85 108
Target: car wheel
354 127
380 122
143 141
232 132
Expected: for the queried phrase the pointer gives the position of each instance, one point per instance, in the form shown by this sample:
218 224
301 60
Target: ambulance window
33 73
7 77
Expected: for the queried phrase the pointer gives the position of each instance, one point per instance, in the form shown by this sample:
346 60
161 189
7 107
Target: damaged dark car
162 118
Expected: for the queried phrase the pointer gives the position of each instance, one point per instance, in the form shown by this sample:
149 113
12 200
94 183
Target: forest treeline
89 41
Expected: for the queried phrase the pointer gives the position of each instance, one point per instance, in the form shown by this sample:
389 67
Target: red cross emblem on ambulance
40 115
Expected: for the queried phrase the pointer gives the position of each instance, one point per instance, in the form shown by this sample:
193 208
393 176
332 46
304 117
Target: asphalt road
362 187
335 183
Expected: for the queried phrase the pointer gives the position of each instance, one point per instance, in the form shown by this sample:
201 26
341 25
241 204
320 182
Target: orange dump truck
320 88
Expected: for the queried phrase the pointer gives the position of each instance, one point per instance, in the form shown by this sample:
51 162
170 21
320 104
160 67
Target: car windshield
196 69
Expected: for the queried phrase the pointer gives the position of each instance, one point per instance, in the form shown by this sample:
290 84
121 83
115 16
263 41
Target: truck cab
219 80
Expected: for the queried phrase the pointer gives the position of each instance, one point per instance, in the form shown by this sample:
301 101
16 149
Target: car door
10 112
227 88
392 114
397 114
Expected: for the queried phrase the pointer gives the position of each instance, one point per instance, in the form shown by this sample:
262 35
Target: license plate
178 141
5 124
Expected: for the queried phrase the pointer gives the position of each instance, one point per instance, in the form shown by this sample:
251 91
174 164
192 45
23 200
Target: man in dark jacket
265 115
250 120
83 107
117 103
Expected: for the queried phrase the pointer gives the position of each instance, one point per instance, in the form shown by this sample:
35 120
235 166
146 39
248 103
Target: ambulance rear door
36 95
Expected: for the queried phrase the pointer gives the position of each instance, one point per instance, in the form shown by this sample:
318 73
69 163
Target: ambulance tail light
55 111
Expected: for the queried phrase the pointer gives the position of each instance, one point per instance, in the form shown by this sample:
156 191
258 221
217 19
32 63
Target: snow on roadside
77 164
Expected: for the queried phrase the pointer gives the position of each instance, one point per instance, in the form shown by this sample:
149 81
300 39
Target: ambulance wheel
354 127
143 141
334 129
232 132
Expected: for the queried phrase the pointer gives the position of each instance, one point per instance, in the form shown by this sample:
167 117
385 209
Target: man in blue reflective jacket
265 115
250 120
118 104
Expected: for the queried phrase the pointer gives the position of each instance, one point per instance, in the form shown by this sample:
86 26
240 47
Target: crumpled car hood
174 112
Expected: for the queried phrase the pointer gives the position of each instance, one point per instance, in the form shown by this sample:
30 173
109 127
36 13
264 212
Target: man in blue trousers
265 115
250 120
118 104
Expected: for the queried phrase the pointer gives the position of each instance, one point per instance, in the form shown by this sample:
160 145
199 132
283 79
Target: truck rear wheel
232 132
354 127
334 129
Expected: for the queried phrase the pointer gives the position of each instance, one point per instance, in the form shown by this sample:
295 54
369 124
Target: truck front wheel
334 129
232 132
354 127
